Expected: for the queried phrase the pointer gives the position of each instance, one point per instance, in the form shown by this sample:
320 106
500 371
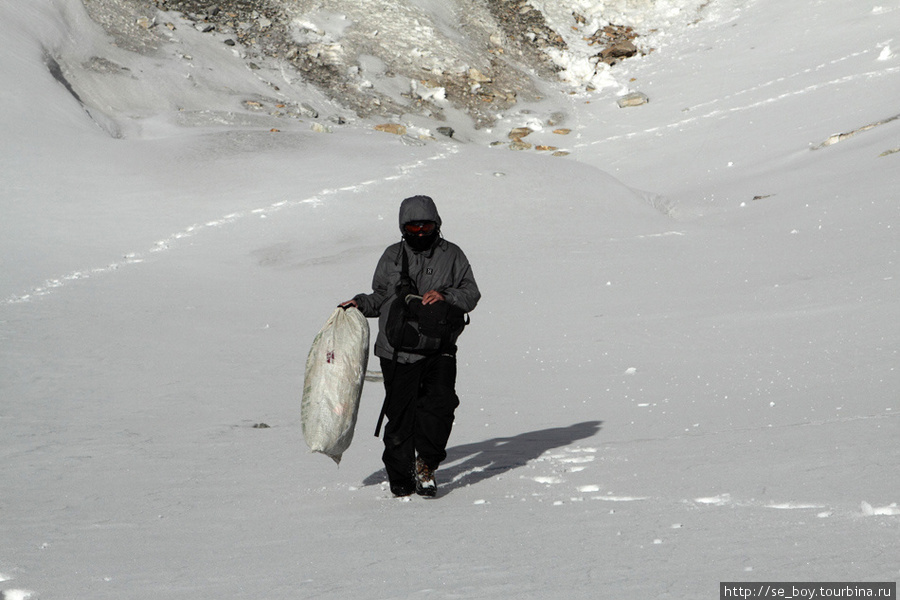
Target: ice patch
792 506
425 92
619 498
15 594
547 480
577 459
589 488
321 26
871 511
719 500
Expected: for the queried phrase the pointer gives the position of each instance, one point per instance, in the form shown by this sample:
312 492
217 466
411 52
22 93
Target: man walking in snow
420 385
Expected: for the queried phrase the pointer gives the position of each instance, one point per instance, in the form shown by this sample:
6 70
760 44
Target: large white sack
335 371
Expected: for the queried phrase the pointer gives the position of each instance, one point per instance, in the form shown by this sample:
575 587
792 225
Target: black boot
426 484
403 488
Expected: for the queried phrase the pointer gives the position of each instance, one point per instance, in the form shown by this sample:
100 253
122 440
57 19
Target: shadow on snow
473 463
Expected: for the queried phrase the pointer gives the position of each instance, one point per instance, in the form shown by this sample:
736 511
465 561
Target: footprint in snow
572 460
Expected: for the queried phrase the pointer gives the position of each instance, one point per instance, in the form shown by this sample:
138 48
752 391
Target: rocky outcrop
616 41
388 59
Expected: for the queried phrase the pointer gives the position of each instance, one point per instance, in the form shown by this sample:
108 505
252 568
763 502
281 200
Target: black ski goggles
419 227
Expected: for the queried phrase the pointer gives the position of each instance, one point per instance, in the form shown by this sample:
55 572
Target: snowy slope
683 370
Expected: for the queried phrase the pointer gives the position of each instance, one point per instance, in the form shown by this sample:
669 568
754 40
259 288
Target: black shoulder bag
419 328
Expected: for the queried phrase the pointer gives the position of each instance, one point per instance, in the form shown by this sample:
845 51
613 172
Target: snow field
683 370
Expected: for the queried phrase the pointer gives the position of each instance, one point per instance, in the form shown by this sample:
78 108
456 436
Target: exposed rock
305 110
527 35
409 140
519 145
840 137
99 64
617 42
543 148
519 132
132 29
623 49
448 131
562 131
478 77
394 128
633 99
512 36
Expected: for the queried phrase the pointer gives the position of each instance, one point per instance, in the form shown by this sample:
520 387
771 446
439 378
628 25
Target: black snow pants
419 404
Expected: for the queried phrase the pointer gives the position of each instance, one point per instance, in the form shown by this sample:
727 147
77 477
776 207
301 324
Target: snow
684 369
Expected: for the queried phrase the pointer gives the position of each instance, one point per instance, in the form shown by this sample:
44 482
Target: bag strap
386 396
405 281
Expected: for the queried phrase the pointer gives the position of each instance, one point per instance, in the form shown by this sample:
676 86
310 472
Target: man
420 386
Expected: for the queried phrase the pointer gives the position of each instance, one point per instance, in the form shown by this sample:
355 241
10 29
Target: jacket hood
419 208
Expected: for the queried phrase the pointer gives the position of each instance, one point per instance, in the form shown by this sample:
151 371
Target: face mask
420 243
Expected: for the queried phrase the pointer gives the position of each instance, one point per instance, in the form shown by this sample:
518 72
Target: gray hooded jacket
443 267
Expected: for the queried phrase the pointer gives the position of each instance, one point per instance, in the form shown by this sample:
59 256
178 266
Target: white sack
335 370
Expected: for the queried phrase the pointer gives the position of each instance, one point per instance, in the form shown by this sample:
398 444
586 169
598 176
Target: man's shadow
473 463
